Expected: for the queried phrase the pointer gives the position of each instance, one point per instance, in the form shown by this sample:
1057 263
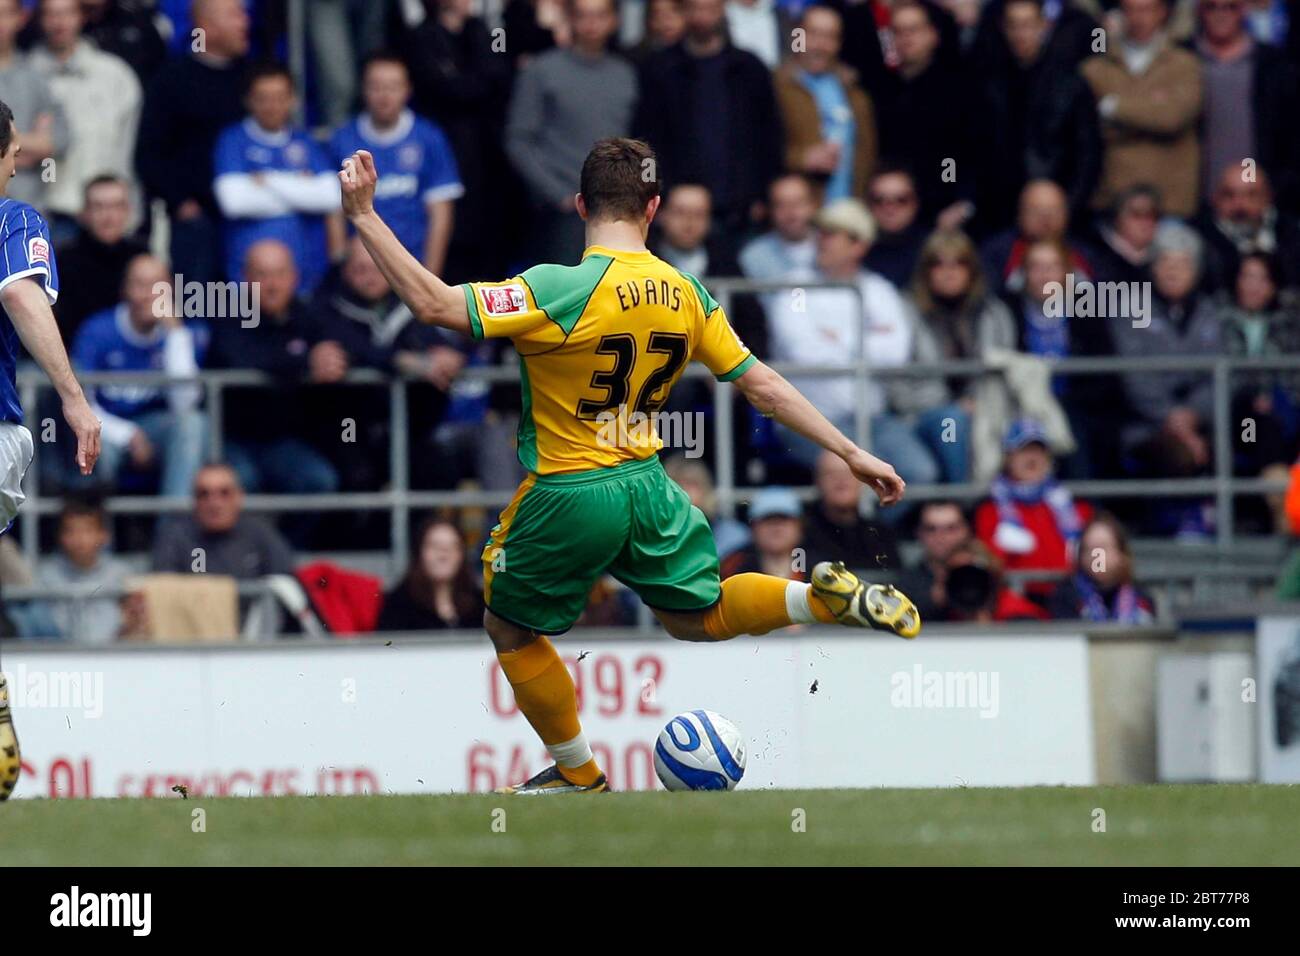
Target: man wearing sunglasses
220 534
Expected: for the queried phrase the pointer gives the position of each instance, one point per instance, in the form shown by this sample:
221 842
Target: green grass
1150 825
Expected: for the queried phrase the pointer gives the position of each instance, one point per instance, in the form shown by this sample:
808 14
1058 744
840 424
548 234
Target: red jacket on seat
347 601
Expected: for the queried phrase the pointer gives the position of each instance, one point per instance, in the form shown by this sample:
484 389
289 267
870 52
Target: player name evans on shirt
650 292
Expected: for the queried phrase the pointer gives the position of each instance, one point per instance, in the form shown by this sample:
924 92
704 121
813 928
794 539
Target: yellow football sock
544 692
758 603
820 611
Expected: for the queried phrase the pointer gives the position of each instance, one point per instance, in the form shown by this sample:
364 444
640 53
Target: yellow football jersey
600 345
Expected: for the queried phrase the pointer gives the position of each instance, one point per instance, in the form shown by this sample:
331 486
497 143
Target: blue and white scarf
1129 608
1006 494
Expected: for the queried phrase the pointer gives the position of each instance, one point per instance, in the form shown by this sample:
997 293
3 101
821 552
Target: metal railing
1222 486
400 500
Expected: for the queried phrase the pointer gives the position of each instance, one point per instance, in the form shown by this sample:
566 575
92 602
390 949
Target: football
700 750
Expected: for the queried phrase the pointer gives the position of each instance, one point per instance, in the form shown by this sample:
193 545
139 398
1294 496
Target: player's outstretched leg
545 694
11 758
757 603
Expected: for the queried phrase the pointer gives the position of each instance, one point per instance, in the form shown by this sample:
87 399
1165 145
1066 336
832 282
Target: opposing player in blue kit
29 284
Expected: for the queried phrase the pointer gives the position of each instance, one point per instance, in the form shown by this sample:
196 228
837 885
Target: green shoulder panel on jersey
709 303
562 292
710 306
526 433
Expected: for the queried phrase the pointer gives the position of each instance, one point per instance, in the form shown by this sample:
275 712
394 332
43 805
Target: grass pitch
1149 826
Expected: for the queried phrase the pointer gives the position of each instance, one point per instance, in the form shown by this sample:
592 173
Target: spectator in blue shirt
419 182
273 181
147 426
790 244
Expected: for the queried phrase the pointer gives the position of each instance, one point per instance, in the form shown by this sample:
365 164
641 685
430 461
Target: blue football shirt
247 148
416 167
25 253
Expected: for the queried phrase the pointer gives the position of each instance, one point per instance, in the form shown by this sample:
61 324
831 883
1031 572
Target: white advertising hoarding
820 709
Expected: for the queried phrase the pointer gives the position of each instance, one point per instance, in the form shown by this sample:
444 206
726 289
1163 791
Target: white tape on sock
796 603
571 753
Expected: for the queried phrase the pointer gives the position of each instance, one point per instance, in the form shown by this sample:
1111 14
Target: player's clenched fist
357 179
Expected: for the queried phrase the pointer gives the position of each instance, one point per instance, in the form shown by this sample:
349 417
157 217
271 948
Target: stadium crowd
954 167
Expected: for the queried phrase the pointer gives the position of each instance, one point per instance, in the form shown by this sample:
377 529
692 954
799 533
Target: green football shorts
562 533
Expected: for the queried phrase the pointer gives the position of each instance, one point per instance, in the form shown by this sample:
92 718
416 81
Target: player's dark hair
382 56
1038 3
267 69
6 128
619 177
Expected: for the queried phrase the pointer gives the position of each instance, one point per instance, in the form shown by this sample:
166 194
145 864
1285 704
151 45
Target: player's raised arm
29 311
427 296
769 392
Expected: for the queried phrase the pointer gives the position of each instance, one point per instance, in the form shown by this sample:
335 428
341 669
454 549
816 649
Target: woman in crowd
1102 588
438 591
1260 319
1168 433
1124 238
956 318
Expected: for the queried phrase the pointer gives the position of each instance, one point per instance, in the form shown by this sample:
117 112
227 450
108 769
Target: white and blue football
700 750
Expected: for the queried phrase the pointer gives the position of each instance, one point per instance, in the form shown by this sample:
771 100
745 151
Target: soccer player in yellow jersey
600 345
